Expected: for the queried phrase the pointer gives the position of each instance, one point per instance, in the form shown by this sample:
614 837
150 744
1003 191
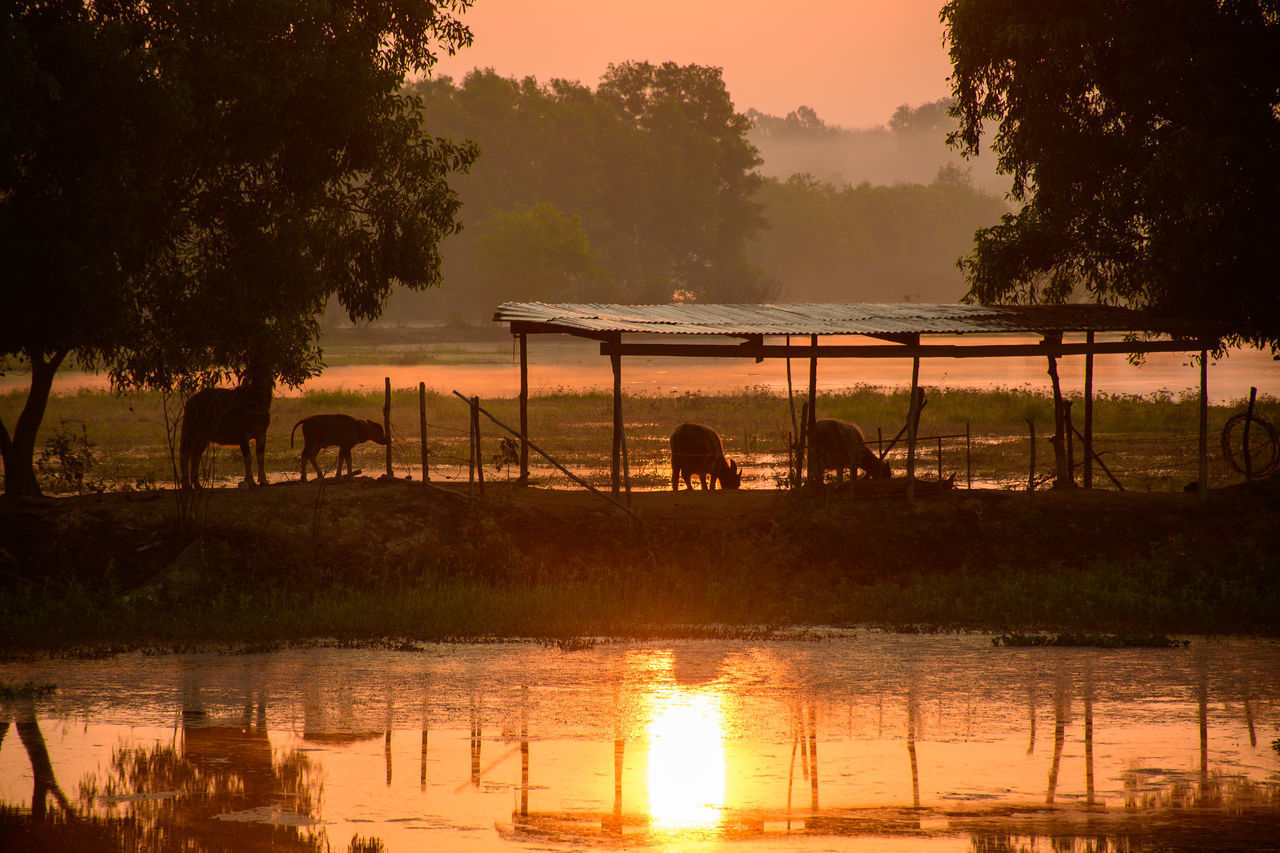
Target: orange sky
854 61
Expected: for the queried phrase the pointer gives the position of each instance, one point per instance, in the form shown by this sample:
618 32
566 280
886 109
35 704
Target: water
558 362
853 741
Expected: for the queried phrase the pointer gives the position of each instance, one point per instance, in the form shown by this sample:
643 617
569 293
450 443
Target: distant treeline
910 149
651 187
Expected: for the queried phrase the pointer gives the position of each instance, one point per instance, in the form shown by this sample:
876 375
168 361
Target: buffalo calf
696 449
321 431
840 445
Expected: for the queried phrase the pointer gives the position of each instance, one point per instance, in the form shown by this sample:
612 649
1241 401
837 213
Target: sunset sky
853 61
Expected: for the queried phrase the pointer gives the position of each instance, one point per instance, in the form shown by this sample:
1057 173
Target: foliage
1143 140
909 149
537 253
184 187
653 165
829 243
66 460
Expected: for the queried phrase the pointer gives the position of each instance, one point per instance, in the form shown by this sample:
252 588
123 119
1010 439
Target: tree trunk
20 449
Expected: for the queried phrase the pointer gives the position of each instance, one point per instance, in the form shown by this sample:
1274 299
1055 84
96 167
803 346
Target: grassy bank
363 560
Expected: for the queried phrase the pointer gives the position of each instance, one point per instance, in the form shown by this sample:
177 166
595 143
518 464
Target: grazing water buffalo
696 449
227 416
321 431
840 445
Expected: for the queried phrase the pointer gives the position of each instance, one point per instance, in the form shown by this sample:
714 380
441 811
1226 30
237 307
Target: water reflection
915 743
686 760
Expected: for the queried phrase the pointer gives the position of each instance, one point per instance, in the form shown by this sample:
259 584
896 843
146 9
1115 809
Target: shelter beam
762 351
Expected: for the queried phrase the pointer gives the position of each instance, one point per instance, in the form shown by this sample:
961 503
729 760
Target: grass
1148 443
367 560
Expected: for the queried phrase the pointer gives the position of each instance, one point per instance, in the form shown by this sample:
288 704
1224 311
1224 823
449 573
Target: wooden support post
1204 425
815 465
1088 413
796 452
912 417
422 430
386 423
1071 448
616 360
939 459
524 410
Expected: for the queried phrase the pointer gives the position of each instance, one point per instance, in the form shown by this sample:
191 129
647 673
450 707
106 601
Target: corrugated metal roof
859 318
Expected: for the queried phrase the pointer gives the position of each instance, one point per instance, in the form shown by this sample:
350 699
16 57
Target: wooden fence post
422 429
968 460
475 430
386 423
1031 477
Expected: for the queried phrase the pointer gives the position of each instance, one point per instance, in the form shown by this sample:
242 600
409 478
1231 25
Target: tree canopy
1143 143
653 162
186 184
839 243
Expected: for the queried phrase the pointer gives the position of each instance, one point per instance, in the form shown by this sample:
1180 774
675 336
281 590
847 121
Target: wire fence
1162 461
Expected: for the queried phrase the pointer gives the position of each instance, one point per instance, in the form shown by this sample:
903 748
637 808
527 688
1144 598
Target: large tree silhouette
186 184
1143 141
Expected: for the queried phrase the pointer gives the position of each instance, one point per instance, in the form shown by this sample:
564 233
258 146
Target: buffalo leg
248 462
260 444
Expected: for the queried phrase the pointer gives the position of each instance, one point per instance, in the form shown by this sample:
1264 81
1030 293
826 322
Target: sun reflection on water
686 759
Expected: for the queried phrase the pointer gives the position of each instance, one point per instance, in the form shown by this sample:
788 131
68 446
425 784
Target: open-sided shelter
893 331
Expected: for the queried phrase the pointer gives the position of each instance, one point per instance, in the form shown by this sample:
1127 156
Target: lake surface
851 741
492 370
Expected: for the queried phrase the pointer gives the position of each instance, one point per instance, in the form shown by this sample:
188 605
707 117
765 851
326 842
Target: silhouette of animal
321 431
840 445
696 449
227 416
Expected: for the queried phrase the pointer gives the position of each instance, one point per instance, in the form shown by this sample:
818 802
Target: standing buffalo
321 431
696 449
840 445
227 416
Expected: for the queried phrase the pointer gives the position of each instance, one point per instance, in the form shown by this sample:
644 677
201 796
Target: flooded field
556 363
849 741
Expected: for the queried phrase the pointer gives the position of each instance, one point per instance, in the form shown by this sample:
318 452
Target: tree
185 185
1143 143
537 253
702 203
839 243
654 162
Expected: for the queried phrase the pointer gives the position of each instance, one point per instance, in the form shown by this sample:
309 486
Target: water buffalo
227 416
840 445
321 431
696 449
